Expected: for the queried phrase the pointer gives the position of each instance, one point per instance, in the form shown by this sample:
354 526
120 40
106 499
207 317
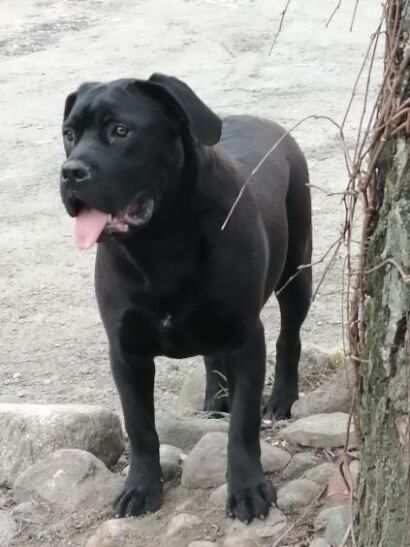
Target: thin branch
333 13
326 270
354 14
273 148
302 267
280 539
280 27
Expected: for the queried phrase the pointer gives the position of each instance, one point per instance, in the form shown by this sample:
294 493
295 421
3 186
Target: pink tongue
88 227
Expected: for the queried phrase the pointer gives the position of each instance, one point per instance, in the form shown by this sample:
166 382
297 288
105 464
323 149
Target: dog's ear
205 125
69 103
72 97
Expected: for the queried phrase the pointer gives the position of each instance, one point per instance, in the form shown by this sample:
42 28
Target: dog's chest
179 333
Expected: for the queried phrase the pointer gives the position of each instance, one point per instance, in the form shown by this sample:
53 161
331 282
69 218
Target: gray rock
8 529
300 463
205 466
323 517
272 527
70 479
219 497
313 358
113 532
337 525
202 544
321 473
170 459
319 542
320 431
273 459
184 521
186 432
236 541
333 396
296 494
192 393
30 432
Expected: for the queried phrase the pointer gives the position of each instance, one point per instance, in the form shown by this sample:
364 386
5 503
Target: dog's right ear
69 103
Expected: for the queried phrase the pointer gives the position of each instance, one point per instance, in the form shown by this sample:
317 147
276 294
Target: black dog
150 177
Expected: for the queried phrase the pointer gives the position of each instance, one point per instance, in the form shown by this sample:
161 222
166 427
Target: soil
53 345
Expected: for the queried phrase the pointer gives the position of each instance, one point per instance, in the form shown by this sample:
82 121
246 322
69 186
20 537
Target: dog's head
124 147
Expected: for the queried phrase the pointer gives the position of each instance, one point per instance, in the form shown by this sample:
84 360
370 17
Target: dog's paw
251 502
278 407
137 500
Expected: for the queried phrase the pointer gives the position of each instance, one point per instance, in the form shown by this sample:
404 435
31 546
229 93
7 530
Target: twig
354 14
333 13
280 27
278 542
326 270
273 148
302 267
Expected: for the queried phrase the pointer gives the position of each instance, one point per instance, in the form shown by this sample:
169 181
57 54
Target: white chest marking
166 321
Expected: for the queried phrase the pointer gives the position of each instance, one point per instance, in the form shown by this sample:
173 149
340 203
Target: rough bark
384 492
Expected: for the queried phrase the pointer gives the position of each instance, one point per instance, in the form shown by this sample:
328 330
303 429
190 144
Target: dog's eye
120 131
68 135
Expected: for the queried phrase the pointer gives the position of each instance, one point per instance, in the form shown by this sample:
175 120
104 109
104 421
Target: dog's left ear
69 103
205 124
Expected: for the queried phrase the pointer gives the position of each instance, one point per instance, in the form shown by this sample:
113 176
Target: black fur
178 285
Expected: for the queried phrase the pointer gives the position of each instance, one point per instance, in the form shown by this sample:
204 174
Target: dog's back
280 185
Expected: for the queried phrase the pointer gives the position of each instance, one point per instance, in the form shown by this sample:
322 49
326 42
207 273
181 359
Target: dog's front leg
249 493
134 377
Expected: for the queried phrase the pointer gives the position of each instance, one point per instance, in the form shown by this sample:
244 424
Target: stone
219 497
192 392
337 525
320 431
205 467
319 542
338 493
272 527
170 460
70 479
8 528
183 521
237 541
333 396
300 462
296 494
186 432
113 532
273 459
30 432
323 517
202 544
321 473
313 358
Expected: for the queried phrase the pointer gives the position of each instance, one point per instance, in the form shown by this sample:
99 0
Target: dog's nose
75 171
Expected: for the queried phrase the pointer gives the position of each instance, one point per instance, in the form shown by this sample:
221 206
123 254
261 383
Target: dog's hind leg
216 393
294 302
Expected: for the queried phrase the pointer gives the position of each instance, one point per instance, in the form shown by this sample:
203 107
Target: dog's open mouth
91 224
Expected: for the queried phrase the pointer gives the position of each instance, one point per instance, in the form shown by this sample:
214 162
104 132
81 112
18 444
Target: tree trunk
384 407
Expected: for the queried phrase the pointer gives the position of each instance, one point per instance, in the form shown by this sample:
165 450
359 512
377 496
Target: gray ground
53 348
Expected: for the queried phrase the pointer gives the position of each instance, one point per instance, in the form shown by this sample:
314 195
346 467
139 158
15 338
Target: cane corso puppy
151 174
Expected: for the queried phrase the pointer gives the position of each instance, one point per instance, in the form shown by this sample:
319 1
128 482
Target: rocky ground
62 465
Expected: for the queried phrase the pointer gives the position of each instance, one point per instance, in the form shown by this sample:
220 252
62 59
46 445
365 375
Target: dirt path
53 348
